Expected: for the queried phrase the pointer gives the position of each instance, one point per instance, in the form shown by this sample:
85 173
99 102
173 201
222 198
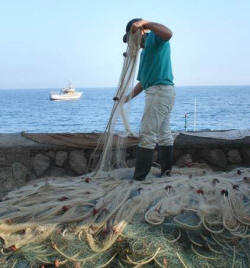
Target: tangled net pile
115 222
196 218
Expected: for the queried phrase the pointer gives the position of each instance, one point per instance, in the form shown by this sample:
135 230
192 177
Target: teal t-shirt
155 63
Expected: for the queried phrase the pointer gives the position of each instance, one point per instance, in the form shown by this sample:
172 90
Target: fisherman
156 79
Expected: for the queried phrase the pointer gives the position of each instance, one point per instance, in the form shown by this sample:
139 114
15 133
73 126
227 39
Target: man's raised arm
160 30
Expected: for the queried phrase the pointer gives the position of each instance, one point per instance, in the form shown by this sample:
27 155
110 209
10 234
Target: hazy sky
43 43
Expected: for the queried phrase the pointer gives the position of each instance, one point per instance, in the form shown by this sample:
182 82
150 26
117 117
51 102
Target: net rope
196 218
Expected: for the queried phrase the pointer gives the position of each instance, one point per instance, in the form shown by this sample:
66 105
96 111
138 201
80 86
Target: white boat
67 93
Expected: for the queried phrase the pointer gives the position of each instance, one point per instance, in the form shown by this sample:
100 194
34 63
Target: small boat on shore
67 93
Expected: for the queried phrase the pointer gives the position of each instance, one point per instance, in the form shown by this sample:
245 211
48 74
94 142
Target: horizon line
109 87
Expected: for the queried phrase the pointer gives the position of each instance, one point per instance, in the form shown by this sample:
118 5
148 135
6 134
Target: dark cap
128 28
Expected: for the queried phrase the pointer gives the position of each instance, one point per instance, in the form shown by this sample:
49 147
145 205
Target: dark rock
2 158
12 155
6 179
20 172
184 160
51 154
246 155
58 172
41 164
78 162
234 156
61 157
177 154
215 157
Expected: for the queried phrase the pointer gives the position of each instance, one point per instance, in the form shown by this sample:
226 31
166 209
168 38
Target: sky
45 43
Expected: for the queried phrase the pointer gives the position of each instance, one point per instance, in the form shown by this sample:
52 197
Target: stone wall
22 160
218 153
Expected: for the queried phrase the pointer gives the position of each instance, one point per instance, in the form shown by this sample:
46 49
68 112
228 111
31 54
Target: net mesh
93 222
196 218
112 144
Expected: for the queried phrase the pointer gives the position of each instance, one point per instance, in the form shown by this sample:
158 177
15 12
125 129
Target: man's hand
126 99
141 24
136 90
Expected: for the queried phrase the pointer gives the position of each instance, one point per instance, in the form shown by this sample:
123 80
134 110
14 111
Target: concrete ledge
189 141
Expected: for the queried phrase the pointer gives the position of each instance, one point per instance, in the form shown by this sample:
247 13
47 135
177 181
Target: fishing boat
67 93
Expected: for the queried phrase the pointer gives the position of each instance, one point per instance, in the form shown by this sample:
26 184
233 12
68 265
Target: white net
113 144
196 218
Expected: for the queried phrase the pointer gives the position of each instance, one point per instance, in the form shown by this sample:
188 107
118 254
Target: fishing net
196 218
110 152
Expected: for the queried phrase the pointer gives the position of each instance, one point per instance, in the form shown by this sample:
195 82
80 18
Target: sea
197 108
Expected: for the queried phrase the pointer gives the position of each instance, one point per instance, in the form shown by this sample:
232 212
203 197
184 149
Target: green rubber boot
166 159
144 159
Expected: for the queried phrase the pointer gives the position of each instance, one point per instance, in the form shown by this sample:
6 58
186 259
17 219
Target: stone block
184 160
41 163
78 162
246 155
2 158
9 156
215 157
176 154
234 156
20 172
51 154
6 179
58 172
61 157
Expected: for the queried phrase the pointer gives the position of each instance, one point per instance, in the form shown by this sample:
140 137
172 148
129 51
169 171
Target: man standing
156 79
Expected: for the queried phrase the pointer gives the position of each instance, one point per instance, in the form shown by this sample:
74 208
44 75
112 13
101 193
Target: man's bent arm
160 30
136 91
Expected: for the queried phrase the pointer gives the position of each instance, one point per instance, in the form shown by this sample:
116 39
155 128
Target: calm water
30 110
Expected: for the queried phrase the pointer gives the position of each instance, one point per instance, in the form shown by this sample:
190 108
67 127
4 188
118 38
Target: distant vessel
67 93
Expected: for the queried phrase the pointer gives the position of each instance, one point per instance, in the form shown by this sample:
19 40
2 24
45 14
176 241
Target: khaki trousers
155 121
